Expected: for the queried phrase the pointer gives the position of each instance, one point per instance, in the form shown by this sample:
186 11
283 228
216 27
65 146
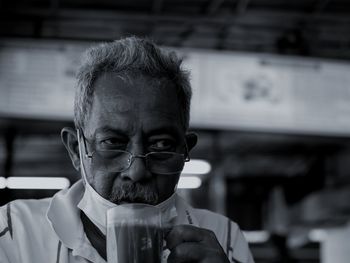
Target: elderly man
130 144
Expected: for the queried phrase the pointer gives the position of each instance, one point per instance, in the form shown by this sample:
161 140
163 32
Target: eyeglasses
116 160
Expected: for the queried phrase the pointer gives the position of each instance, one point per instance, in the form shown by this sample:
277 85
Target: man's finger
186 252
166 231
186 233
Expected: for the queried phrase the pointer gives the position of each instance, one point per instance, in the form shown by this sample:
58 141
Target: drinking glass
134 234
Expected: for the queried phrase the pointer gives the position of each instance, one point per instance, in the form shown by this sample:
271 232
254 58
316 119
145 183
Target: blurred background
271 107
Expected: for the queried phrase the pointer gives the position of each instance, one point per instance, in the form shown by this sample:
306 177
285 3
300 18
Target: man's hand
193 244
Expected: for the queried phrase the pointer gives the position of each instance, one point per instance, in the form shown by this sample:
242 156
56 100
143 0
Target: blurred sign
37 79
231 90
269 93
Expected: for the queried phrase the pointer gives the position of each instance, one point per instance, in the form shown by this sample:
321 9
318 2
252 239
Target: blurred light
2 182
37 183
196 166
189 182
256 236
317 235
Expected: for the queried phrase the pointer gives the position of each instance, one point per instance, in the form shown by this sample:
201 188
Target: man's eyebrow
172 130
105 129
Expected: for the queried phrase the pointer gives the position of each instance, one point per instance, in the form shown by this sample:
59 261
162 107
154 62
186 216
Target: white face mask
95 206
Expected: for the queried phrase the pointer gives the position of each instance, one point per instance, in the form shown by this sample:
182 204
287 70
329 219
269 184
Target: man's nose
137 171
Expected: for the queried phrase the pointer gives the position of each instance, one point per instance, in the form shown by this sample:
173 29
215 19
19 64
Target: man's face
140 116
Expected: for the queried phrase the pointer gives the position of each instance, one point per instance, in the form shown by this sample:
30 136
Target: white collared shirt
50 230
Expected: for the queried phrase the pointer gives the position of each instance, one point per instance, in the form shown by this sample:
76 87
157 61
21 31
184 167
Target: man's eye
112 142
163 145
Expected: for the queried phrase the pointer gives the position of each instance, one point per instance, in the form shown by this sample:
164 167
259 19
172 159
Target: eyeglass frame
133 157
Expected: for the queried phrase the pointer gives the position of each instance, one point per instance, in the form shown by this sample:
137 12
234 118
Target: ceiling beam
157 6
242 6
258 18
222 36
186 34
320 6
214 6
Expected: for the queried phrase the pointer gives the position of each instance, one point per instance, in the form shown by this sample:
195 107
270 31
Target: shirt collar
185 213
64 218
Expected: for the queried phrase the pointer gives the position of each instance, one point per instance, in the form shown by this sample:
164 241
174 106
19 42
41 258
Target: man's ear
191 140
70 141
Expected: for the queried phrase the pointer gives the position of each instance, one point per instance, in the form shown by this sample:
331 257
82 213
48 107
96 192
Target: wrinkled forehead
133 105
120 91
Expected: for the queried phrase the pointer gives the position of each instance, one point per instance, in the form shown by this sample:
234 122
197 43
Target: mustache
134 192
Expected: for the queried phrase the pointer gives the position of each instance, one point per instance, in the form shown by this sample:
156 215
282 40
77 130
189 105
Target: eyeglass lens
156 162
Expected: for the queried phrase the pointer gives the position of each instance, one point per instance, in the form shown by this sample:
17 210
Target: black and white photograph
174 131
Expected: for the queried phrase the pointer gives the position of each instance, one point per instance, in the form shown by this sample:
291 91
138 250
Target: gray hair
130 56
